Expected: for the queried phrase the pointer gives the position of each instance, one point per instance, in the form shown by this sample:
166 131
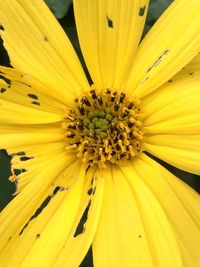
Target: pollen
104 128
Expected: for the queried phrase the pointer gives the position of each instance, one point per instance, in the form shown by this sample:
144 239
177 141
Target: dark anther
130 124
72 127
130 105
122 155
77 143
116 106
100 100
108 91
113 153
81 110
93 93
112 128
121 136
131 135
71 136
80 126
117 147
113 96
86 101
122 96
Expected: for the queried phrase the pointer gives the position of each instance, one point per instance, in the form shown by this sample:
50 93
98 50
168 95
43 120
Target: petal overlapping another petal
51 209
37 45
172 122
132 225
172 42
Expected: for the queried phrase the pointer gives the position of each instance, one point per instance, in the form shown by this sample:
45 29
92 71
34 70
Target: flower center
104 128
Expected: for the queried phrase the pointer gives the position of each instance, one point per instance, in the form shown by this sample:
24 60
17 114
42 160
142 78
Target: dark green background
63 10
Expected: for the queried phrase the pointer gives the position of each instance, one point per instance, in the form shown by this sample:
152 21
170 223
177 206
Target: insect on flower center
104 128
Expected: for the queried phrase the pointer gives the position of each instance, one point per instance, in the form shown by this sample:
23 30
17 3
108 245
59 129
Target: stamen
104 128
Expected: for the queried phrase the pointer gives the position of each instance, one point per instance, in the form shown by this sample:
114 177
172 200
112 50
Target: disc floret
104 128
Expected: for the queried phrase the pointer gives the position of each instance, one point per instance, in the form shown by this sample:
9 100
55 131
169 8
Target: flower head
79 149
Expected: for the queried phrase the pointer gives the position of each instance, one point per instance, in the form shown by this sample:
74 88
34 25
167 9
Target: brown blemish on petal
142 11
110 22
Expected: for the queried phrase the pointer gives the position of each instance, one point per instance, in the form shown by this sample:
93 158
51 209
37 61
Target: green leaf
59 7
156 8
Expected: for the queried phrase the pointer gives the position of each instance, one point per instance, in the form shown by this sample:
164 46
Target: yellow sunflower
78 149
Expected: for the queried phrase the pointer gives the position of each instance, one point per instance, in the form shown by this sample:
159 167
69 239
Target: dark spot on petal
110 22
170 81
139 236
38 236
33 96
5 80
142 11
41 208
35 103
25 158
19 171
191 73
90 191
81 226
46 38
2 28
2 90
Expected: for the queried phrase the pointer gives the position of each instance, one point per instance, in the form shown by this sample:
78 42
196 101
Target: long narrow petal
109 33
13 136
121 238
28 161
172 42
84 228
30 199
172 123
42 238
37 45
22 103
180 203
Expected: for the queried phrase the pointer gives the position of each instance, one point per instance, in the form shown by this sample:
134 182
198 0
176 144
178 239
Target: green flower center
104 128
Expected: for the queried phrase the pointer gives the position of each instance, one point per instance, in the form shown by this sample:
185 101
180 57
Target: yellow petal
28 161
37 45
171 43
191 70
22 103
121 238
84 227
42 238
10 76
180 203
109 32
20 135
19 211
172 123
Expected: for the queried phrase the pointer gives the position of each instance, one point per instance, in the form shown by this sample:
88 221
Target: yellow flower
84 177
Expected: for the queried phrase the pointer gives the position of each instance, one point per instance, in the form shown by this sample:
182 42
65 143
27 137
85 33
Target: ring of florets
104 128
